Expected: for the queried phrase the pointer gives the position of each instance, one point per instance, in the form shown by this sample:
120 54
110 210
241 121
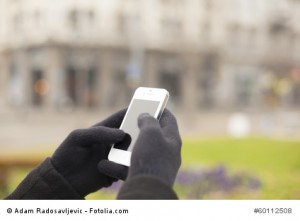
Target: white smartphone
145 100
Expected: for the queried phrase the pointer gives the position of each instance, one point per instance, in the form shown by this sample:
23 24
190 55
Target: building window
244 83
71 86
171 81
170 73
74 19
122 23
207 81
91 88
122 93
40 87
16 93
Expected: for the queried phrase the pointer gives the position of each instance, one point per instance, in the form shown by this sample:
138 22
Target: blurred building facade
210 54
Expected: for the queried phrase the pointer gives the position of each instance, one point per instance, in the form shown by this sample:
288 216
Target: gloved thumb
145 120
113 169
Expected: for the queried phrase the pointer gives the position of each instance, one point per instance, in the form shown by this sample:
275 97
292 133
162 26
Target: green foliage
276 163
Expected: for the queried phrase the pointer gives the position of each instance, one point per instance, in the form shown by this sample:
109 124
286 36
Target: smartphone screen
130 123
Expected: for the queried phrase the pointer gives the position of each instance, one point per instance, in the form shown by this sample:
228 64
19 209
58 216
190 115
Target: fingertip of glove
118 134
146 119
167 117
144 116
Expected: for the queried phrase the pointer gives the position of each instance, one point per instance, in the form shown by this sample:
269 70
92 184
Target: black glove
155 153
77 157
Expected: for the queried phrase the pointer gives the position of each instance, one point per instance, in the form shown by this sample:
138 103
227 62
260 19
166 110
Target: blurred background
232 68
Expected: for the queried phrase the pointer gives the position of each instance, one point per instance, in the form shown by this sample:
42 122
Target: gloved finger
95 135
114 120
124 144
113 169
146 121
169 125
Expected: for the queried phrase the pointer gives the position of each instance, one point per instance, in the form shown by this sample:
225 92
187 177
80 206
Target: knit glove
155 153
77 157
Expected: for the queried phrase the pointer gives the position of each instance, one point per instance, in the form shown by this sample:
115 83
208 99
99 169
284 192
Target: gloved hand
155 153
77 157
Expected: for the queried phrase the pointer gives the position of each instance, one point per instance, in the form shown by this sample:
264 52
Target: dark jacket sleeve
146 187
44 182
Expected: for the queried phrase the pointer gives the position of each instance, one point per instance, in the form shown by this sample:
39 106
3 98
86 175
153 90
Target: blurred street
47 130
